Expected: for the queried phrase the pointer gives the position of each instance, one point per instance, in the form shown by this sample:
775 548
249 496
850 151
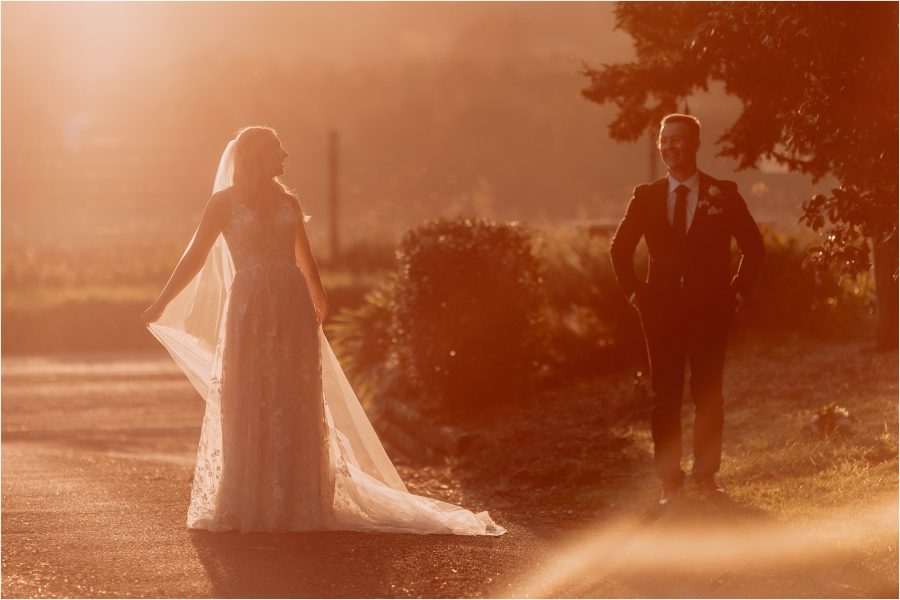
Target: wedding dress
285 444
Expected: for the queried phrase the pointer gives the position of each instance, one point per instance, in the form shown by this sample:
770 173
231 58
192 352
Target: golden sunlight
449 299
665 544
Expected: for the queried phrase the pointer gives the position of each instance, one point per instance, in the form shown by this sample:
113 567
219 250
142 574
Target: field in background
81 297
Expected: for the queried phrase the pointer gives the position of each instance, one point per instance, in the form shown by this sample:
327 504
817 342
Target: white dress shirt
693 185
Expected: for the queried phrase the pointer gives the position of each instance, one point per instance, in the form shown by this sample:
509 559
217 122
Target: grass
44 296
580 459
90 316
775 458
48 297
777 464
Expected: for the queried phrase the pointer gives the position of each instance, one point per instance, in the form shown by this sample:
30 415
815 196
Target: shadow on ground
337 564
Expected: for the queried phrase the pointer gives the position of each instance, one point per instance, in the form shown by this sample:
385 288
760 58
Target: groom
687 219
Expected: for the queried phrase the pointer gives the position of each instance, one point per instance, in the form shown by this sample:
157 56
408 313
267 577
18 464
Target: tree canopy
818 84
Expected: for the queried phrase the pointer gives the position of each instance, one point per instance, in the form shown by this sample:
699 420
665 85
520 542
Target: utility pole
333 196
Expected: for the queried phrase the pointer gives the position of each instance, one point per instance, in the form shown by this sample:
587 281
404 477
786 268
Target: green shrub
589 326
792 296
475 310
467 312
363 341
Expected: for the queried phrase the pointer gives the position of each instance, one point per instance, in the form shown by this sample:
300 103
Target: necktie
679 219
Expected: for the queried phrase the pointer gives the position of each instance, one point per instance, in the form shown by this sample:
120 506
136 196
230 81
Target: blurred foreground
98 452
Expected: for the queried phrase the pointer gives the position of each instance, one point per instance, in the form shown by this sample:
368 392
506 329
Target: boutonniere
710 203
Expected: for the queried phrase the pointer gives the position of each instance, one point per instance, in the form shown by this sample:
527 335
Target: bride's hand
320 302
152 313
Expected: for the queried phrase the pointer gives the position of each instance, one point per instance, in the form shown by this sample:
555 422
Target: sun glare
660 545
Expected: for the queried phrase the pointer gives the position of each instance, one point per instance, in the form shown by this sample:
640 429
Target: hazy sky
114 114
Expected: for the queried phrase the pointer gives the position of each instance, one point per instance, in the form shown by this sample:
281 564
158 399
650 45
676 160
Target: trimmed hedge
467 313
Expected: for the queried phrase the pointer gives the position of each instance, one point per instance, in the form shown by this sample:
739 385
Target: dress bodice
265 239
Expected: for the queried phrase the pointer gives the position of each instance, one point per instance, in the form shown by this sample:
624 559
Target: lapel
660 189
704 181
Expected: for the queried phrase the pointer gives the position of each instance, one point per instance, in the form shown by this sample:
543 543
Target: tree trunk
886 293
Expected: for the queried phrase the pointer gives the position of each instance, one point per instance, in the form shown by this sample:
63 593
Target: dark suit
686 306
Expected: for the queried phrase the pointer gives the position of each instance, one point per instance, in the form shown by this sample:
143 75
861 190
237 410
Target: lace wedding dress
284 444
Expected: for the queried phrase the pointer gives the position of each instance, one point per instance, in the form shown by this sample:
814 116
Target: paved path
97 456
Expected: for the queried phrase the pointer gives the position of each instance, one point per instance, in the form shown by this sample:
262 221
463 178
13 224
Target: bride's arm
307 263
210 227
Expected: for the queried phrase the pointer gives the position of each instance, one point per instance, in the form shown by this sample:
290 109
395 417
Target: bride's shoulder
297 206
224 197
225 193
220 203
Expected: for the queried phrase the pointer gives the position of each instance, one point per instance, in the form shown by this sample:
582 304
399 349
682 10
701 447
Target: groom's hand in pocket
636 298
737 301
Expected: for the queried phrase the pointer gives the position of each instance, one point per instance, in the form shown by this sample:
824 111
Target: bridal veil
368 492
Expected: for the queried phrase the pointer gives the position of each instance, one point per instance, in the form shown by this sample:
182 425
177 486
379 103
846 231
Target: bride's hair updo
253 146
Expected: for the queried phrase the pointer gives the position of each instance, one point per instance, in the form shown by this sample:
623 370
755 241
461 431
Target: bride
285 444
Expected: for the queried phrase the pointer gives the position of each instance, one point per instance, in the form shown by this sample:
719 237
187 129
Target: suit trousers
680 333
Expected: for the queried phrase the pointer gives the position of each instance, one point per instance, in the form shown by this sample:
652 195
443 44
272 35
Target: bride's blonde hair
251 145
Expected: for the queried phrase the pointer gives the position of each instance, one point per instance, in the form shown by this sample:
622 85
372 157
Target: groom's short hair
690 121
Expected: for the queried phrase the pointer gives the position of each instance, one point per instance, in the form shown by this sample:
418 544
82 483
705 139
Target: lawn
806 515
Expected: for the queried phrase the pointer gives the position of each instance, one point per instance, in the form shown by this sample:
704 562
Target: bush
589 324
363 340
467 312
792 296
475 310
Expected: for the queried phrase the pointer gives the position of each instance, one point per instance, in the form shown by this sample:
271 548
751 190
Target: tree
818 83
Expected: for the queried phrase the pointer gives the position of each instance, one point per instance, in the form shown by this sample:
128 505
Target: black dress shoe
709 487
671 491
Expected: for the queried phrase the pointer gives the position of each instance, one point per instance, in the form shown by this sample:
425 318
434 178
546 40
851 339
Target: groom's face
678 145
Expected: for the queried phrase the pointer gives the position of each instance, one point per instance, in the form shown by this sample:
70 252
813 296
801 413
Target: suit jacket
697 269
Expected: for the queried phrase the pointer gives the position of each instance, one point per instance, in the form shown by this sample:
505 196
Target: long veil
368 492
